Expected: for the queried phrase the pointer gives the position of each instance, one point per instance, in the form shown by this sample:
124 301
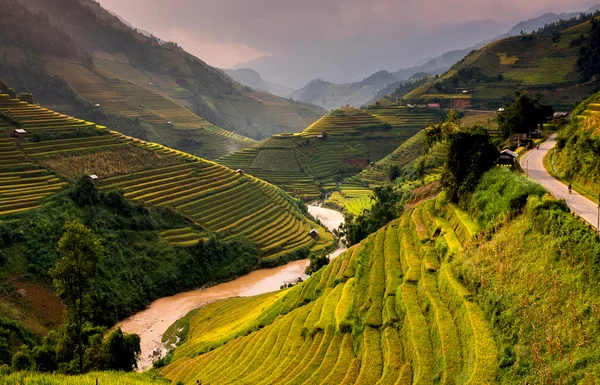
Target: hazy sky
224 32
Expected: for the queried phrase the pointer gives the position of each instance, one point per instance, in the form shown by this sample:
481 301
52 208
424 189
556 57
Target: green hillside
544 62
217 198
81 59
335 147
577 159
420 302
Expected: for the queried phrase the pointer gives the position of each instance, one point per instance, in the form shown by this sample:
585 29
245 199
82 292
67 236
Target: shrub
22 360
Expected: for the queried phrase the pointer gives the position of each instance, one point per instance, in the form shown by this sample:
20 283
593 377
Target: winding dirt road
150 324
533 164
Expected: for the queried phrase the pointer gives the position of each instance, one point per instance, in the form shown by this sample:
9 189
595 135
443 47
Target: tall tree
74 273
523 115
470 155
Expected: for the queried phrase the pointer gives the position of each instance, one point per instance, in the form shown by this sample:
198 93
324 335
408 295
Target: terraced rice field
225 202
306 165
387 311
124 98
217 198
23 184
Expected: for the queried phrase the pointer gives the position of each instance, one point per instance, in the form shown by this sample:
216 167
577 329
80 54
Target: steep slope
544 63
217 198
577 158
112 54
331 96
420 302
387 311
335 147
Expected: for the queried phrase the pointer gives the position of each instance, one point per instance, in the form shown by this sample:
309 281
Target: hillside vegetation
424 301
577 158
98 60
170 221
546 62
335 147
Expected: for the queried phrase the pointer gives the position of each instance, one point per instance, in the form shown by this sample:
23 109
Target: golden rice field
217 198
108 162
305 164
387 311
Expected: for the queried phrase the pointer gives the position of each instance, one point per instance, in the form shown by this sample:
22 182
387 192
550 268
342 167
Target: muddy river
152 322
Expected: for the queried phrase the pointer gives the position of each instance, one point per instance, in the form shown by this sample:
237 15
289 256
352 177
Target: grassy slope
395 309
577 161
305 164
534 63
380 313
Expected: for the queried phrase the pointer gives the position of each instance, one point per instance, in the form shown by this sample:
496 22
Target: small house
501 109
560 116
314 233
435 106
239 171
18 133
97 105
94 177
507 157
169 123
465 91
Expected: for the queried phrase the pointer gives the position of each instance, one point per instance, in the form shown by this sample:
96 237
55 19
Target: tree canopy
523 115
470 155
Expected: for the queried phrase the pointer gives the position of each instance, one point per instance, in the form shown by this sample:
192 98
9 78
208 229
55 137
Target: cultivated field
310 163
387 311
218 199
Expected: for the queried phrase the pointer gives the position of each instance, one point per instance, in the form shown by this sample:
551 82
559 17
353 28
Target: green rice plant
371 368
328 363
312 362
393 268
313 318
412 261
418 331
390 315
406 375
393 357
483 352
345 362
332 298
377 283
420 228
449 348
352 373
344 311
430 259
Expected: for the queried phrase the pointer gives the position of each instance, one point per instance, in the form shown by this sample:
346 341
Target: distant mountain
435 66
534 24
353 59
331 96
75 54
249 77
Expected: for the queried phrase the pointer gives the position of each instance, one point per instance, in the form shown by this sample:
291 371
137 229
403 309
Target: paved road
533 164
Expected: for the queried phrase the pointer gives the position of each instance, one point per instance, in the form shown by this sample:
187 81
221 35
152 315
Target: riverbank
151 323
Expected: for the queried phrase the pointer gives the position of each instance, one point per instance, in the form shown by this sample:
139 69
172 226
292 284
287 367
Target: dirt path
533 164
152 322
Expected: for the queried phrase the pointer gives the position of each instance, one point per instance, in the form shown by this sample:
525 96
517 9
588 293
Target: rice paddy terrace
124 98
354 194
56 148
388 311
537 63
335 147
